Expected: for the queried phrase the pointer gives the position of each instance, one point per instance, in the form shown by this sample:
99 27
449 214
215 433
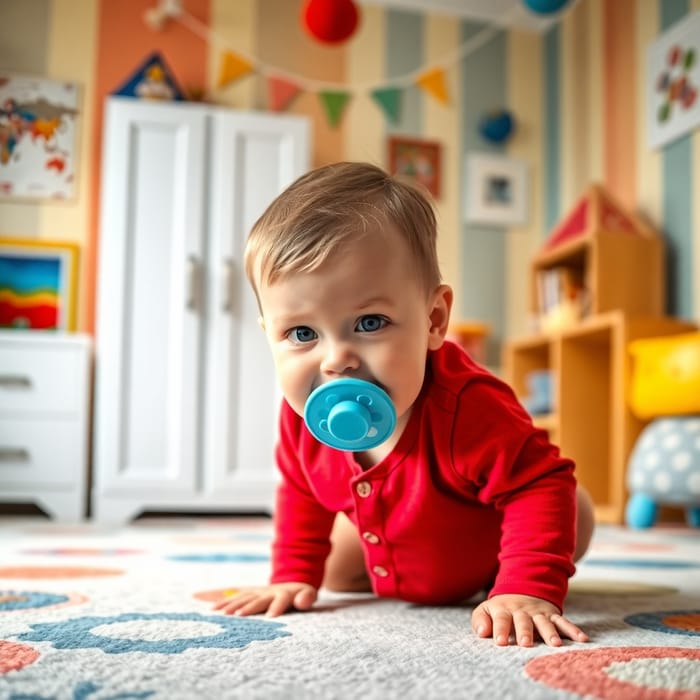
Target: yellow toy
664 466
666 376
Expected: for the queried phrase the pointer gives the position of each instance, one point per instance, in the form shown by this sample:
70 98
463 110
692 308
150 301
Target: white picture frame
497 190
673 86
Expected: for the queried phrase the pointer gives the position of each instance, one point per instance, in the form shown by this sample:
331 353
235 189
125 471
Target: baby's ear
441 305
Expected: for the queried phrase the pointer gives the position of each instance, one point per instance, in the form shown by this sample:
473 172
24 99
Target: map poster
37 138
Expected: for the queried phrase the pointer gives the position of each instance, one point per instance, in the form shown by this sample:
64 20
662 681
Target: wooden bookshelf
620 263
618 259
590 421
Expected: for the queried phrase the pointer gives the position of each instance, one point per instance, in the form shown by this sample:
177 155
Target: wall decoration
152 80
280 92
497 191
389 99
38 284
416 159
545 7
434 83
497 126
37 138
333 97
330 21
232 67
673 82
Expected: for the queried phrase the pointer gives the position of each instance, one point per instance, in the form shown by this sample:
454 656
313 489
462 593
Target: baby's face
363 314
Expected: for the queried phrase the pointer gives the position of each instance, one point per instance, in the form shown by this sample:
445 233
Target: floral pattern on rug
129 632
149 628
21 601
622 673
672 622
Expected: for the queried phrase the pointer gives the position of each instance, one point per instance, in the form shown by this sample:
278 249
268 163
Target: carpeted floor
89 613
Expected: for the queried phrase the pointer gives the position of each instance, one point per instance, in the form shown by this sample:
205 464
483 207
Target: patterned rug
93 613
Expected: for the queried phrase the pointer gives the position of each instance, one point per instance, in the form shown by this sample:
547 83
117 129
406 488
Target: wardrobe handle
14 454
15 381
227 282
193 283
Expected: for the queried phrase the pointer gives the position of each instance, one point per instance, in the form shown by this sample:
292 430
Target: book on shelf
562 297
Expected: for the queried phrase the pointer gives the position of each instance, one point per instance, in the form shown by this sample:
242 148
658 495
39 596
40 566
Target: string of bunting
283 86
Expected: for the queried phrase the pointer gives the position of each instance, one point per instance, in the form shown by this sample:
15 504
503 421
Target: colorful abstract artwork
37 138
38 282
673 82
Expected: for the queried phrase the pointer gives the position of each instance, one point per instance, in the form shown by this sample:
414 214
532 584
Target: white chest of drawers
44 421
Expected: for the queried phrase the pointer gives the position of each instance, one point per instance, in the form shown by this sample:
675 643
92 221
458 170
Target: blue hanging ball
496 127
545 7
350 414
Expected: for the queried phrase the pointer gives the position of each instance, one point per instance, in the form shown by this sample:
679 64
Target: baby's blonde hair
332 205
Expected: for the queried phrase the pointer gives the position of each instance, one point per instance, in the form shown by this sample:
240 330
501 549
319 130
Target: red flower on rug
622 673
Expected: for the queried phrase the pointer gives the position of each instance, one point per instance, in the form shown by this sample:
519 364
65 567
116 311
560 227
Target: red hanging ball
330 21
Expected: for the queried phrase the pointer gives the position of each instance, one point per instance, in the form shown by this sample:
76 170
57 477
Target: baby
465 496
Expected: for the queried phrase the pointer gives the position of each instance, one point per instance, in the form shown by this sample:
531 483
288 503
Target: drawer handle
14 381
14 454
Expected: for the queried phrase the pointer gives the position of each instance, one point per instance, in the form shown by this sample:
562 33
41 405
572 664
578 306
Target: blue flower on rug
220 558
155 633
85 689
20 600
686 622
643 563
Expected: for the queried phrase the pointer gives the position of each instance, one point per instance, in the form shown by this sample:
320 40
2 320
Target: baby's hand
274 599
523 615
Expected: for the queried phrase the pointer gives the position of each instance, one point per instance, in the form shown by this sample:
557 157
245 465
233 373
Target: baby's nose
339 358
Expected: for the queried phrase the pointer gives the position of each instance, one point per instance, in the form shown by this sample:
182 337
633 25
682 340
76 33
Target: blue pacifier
350 414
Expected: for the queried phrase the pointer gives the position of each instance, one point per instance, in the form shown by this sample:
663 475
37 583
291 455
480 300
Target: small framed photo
497 192
416 159
38 284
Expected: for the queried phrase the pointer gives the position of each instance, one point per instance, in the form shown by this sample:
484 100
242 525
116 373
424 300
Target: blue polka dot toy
664 468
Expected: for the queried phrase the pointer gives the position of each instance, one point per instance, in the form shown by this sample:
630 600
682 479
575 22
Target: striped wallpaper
577 92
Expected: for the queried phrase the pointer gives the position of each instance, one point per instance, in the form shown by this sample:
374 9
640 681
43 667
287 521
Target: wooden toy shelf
596 285
591 422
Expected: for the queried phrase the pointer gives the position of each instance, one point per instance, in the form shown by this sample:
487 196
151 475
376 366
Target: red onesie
472 497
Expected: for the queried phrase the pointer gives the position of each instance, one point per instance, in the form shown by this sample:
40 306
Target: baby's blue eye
371 323
302 334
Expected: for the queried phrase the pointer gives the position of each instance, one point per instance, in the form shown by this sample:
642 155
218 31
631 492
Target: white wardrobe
186 400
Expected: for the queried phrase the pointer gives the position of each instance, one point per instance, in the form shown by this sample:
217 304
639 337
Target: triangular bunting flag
389 99
334 103
433 81
280 93
232 67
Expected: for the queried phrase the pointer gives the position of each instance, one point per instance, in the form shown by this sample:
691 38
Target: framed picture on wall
497 190
416 159
673 82
37 138
38 284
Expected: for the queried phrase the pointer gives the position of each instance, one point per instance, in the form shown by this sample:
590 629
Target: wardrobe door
254 157
150 306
